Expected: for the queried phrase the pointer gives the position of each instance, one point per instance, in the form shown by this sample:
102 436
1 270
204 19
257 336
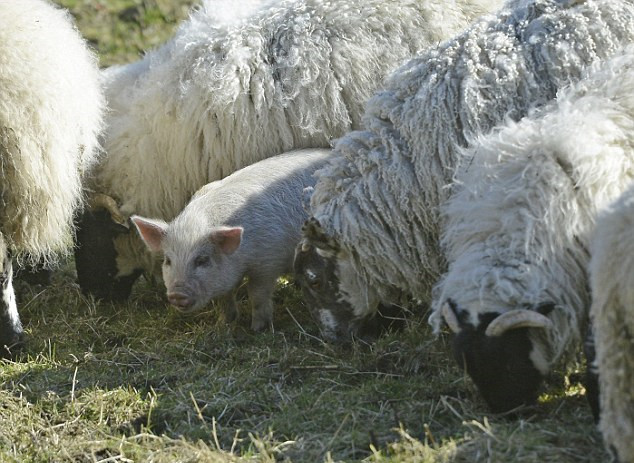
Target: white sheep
375 206
517 232
233 88
50 116
612 312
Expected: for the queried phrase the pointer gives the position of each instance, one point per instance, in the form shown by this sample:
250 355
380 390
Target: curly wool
50 116
612 284
518 228
234 87
379 198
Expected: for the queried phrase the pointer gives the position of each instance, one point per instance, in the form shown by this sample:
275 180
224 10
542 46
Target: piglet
245 225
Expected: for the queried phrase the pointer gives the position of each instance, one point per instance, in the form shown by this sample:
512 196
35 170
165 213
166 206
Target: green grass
139 382
121 30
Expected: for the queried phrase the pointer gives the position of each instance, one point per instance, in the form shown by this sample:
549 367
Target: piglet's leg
260 291
228 305
11 332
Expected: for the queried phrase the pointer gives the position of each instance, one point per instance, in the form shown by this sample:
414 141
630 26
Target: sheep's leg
34 274
11 332
229 309
260 291
592 375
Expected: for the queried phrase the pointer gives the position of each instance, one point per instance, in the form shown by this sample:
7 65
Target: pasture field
138 382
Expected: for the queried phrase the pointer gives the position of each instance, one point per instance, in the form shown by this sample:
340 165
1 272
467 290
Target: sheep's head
497 352
98 272
324 273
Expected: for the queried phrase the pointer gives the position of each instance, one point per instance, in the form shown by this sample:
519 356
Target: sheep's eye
313 280
202 261
167 261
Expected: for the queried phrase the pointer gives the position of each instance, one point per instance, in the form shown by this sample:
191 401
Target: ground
138 382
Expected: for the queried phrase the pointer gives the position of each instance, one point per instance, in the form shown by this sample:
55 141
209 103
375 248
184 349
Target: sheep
229 90
373 236
517 232
246 224
50 117
612 315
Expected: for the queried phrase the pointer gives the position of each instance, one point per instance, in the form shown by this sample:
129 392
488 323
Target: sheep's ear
227 239
152 231
315 235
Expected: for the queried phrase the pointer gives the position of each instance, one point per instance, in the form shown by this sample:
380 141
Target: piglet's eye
202 261
167 261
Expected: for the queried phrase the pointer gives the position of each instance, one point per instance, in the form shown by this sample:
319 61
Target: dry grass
139 382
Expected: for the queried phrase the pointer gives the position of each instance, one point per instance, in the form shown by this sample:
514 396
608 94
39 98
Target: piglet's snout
180 300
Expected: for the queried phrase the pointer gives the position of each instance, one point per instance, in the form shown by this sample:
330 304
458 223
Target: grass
137 382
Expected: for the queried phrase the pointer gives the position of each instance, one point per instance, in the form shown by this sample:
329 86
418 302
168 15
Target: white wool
236 86
612 285
50 116
517 229
379 197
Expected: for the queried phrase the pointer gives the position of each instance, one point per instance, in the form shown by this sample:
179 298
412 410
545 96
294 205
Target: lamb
246 224
50 116
373 237
612 314
234 88
518 228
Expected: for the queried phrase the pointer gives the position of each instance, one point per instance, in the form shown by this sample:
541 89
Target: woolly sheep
246 224
612 312
50 116
375 227
517 232
228 91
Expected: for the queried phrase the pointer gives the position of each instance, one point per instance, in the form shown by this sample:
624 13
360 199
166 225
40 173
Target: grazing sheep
612 312
231 89
375 228
517 232
50 116
246 224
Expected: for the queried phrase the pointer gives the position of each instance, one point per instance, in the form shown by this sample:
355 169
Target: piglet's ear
227 239
152 231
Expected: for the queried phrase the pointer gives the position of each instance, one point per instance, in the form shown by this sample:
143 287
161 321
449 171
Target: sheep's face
324 275
98 269
498 353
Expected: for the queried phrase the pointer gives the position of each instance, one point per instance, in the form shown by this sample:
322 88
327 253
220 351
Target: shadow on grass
139 376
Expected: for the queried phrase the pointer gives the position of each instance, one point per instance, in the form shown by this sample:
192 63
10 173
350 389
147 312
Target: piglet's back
265 198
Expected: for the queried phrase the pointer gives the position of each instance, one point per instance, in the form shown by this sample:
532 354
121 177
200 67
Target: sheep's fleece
239 83
612 284
517 230
378 198
50 116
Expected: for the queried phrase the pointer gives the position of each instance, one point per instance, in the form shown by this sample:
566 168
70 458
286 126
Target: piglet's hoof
261 324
